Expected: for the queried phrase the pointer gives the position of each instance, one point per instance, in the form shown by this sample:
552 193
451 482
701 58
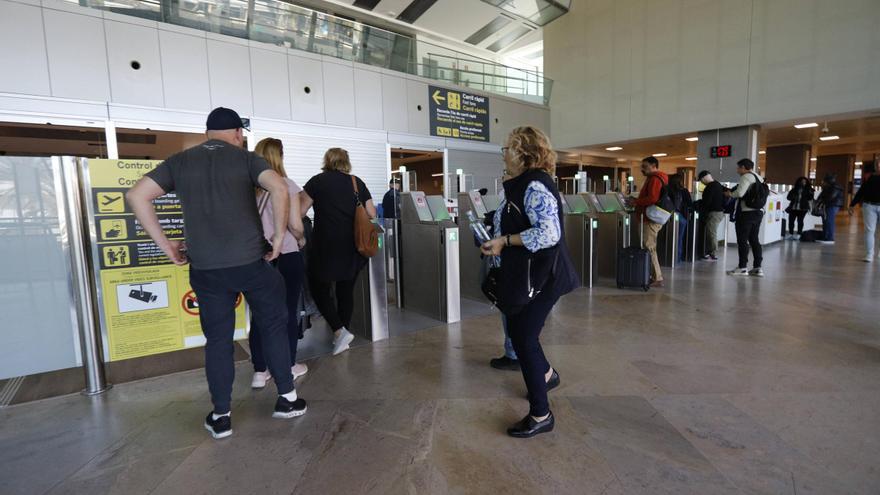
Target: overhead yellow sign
147 304
458 114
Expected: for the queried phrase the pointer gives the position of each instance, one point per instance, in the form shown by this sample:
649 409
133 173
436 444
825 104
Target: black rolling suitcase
634 268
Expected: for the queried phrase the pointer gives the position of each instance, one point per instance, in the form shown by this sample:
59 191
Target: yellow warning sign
116 256
111 202
113 229
453 100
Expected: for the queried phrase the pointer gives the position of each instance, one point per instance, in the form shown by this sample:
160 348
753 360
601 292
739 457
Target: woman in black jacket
831 199
683 202
799 205
531 264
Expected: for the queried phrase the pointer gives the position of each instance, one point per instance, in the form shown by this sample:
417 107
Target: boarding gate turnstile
370 317
429 257
580 237
612 232
470 261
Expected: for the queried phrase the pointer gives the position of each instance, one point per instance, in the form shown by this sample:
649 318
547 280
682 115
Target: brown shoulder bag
366 234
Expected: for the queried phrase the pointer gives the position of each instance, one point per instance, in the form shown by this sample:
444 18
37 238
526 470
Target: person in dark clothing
748 222
712 210
227 252
333 255
869 197
529 238
391 200
831 199
683 202
799 205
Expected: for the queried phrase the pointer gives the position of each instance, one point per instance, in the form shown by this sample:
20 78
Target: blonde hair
529 147
272 150
337 159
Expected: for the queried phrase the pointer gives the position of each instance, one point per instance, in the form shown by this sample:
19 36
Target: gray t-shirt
215 182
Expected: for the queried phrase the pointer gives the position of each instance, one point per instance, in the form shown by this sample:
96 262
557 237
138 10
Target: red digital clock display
721 151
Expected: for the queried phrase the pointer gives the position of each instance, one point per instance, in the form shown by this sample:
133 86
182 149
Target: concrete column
743 142
784 164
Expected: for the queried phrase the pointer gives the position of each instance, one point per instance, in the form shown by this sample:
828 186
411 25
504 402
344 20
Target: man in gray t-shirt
216 184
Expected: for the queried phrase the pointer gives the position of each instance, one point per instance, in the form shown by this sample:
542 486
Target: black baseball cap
703 174
221 119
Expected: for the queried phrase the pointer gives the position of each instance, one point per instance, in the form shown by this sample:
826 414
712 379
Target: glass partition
38 332
301 28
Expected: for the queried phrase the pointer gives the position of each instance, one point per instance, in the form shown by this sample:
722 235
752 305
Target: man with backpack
751 195
650 195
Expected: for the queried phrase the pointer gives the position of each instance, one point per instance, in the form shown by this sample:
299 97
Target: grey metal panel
470 262
370 317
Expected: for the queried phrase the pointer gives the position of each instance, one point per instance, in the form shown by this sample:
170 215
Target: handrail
296 27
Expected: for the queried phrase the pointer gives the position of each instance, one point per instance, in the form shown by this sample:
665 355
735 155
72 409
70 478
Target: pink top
289 244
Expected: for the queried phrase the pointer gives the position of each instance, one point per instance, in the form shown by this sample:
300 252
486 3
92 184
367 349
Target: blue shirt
542 211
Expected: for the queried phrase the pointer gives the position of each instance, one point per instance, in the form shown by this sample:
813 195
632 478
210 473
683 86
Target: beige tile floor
711 385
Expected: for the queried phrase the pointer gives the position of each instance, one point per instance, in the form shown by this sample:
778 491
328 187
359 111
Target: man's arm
140 198
744 183
277 187
653 192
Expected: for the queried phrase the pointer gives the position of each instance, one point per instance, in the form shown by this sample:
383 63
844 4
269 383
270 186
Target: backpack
756 197
660 211
366 233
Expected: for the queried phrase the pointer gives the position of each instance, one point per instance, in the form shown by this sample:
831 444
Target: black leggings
338 312
799 216
524 329
292 269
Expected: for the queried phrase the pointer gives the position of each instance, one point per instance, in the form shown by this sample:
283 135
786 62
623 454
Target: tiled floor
711 385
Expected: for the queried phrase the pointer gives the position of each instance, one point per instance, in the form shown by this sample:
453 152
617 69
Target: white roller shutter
304 155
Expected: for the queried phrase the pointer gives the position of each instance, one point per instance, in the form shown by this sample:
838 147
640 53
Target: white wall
631 69
80 58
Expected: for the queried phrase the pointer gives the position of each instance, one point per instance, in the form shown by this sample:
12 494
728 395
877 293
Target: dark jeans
292 269
748 226
682 236
216 291
524 329
828 222
337 312
799 217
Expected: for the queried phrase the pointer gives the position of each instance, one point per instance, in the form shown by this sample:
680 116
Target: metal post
73 216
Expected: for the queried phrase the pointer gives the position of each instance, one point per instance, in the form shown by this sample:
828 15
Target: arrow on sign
437 97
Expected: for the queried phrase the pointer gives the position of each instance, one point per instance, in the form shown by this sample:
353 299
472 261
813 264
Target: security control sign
457 114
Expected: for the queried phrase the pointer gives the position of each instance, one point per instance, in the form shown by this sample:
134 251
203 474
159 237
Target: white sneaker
260 379
341 341
757 272
825 242
868 259
738 272
299 370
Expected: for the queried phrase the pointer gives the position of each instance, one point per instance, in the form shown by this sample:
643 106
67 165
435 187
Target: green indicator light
626 220
595 224
453 236
380 243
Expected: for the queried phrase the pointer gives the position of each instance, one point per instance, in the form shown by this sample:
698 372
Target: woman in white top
290 263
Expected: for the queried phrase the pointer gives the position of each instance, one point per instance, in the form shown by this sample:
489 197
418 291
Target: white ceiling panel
456 18
395 6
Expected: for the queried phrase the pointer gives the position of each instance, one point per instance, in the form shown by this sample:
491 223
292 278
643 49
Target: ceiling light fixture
806 126
813 159
659 155
829 138
762 152
691 158
692 139
858 164
613 148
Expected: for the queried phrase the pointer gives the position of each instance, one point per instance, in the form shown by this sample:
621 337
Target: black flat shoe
553 382
505 363
528 427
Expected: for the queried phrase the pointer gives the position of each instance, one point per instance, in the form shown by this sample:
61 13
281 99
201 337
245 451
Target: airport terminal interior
672 371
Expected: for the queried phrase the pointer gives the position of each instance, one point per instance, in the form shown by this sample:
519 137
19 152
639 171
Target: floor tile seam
176 468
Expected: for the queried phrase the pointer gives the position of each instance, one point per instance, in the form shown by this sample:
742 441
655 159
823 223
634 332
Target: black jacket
800 198
523 274
682 200
869 192
713 198
831 196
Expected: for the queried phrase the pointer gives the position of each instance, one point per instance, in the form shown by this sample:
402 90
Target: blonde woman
289 263
532 266
334 262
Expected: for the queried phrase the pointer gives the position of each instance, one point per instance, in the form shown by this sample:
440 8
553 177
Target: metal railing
284 24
